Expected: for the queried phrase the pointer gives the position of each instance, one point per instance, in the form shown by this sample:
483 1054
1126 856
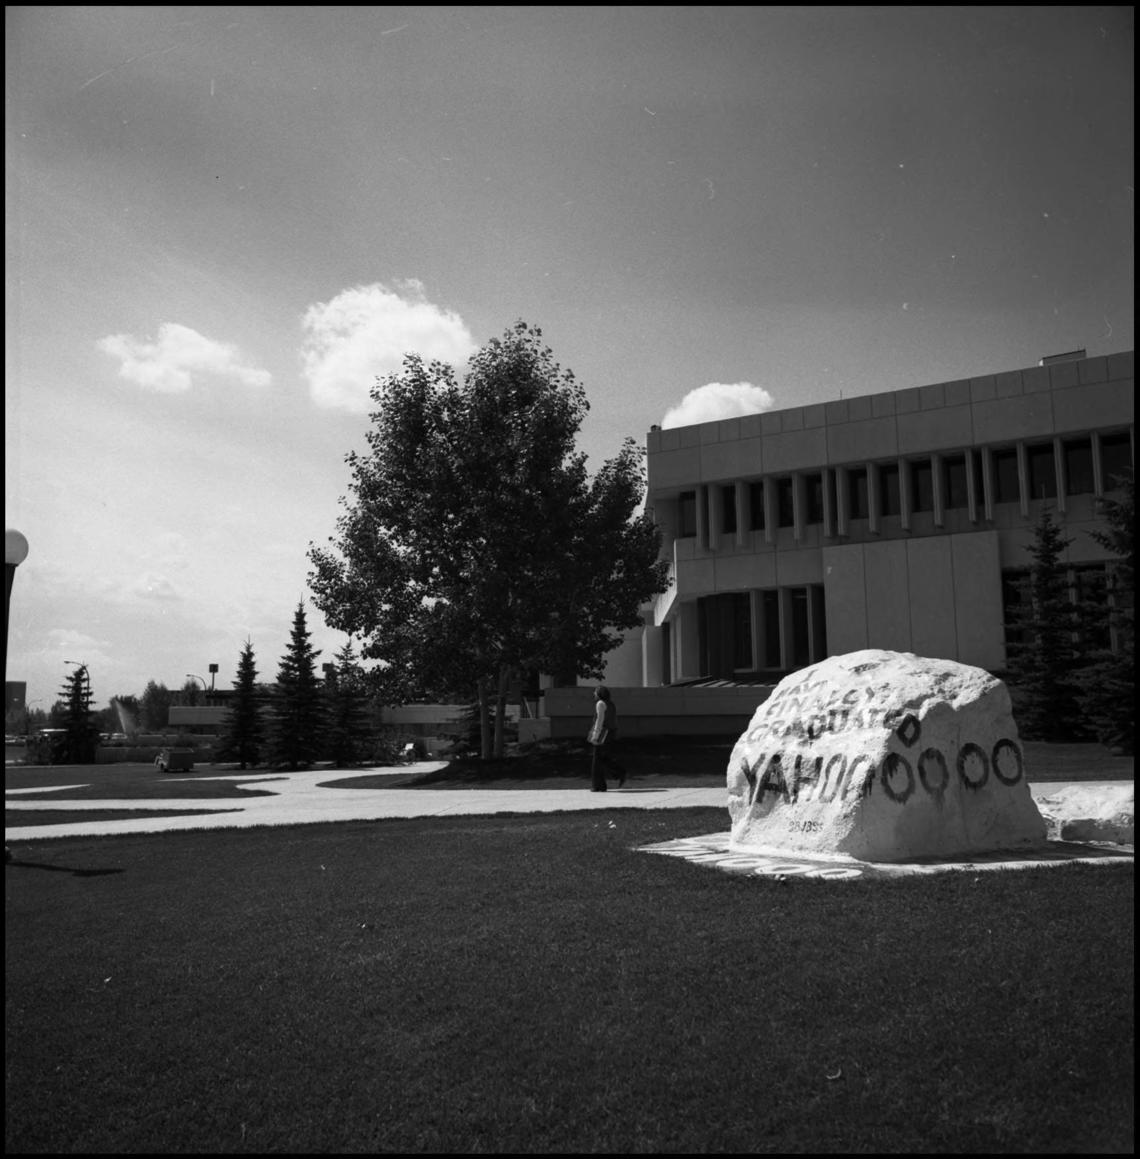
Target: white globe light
15 547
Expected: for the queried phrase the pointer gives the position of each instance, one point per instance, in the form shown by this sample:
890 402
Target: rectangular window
954 493
857 507
741 631
921 485
1006 489
1042 470
889 489
813 489
974 464
1078 466
728 509
687 514
1115 458
785 507
756 498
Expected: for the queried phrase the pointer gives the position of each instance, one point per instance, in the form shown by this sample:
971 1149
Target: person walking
601 737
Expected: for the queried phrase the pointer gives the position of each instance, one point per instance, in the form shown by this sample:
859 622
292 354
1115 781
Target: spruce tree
298 726
1045 656
349 721
78 744
244 735
1107 693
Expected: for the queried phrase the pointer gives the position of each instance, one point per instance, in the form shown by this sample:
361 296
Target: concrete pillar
905 499
1023 480
652 657
842 484
939 499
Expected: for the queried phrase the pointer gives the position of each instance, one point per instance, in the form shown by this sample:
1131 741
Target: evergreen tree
1045 651
297 727
78 744
1107 685
350 727
243 738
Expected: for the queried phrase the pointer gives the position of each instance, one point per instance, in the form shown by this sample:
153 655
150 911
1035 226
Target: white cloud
153 586
718 400
169 364
365 332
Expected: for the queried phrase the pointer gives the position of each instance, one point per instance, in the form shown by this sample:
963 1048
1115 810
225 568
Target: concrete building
896 520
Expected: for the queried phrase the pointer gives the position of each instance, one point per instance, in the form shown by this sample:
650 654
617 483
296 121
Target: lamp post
213 673
15 552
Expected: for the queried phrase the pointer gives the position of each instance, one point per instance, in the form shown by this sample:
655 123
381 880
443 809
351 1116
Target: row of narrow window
1115 451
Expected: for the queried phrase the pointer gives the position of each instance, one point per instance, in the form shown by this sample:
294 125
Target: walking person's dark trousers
601 757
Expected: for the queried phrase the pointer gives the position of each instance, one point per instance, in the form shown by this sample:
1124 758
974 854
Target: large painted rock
882 756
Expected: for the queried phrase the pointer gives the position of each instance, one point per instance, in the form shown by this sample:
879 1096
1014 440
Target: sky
223 223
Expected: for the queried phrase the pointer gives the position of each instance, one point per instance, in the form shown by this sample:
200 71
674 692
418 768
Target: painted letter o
971 749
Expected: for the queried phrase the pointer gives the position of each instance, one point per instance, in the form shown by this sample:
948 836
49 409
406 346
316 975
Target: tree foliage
1107 692
297 725
243 738
78 743
474 544
154 707
1045 651
349 723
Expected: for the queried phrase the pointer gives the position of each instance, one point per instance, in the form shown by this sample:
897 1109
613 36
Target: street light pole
15 552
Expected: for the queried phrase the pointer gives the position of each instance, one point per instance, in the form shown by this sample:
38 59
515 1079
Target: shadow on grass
16 863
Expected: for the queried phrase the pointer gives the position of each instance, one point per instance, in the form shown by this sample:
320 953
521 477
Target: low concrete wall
681 711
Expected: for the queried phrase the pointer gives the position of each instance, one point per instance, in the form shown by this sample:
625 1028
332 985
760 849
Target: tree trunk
500 708
484 722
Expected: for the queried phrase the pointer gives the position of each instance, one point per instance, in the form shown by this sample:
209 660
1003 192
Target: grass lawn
530 984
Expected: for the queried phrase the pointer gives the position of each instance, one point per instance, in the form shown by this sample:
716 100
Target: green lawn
531 984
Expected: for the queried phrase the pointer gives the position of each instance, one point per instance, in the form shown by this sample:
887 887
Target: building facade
896 520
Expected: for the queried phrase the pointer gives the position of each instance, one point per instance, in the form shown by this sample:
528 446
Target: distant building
896 520
15 696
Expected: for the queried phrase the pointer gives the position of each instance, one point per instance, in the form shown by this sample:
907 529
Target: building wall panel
977 599
845 598
856 442
930 584
888 595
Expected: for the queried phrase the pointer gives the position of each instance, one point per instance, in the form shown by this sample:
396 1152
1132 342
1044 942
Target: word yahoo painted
898 777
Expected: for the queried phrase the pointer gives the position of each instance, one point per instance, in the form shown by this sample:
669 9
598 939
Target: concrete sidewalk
295 800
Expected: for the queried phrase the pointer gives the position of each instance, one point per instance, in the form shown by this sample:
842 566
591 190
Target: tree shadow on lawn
16 863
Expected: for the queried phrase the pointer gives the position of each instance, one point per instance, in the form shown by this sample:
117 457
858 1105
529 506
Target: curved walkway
296 799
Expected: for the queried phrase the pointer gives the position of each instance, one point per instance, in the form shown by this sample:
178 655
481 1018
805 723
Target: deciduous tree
474 544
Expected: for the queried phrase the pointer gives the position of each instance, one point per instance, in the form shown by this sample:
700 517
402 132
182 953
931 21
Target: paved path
297 799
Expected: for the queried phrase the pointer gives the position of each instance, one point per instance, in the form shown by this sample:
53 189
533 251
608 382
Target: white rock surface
883 756
1090 813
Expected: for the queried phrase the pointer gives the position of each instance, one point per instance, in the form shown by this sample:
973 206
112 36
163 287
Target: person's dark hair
602 693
